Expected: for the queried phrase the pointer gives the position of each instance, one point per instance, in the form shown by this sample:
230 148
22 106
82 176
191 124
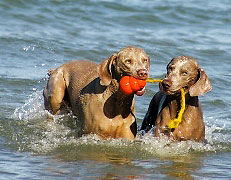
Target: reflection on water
182 167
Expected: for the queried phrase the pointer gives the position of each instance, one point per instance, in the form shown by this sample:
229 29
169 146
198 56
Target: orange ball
134 83
125 85
142 83
129 84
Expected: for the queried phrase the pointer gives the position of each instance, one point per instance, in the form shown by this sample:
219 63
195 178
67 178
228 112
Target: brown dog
182 72
93 92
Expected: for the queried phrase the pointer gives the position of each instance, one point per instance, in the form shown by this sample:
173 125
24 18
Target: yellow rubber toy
150 80
174 123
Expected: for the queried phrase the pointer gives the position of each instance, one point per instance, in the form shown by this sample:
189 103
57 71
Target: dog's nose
142 73
167 83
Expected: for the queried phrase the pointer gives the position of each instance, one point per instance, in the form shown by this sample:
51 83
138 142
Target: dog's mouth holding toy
131 85
172 91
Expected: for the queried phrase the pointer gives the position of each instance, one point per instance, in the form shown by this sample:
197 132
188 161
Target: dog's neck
174 100
192 100
117 102
114 86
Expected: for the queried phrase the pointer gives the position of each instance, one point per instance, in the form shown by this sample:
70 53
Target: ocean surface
37 35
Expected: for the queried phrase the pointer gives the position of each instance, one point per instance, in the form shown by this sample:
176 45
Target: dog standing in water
182 72
93 93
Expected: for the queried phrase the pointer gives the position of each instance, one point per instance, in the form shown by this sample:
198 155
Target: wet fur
92 91
182 72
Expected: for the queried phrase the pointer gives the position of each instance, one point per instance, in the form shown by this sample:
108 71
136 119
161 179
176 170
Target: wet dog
182 72
93 93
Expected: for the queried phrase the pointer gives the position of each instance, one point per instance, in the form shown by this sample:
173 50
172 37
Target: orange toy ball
125 85
142 83
134 83
130 84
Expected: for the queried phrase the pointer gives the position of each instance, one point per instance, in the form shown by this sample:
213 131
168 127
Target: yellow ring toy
173 123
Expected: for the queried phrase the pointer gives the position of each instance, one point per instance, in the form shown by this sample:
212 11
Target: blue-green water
37 35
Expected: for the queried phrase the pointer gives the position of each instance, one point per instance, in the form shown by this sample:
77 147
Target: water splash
32 108
41 135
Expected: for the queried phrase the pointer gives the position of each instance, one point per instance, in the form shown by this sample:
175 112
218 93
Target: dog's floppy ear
105 70
202 85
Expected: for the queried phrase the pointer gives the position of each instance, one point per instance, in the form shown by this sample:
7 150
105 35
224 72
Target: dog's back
66 83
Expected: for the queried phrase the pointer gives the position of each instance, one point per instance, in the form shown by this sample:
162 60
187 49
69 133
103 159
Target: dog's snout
142 73
167 83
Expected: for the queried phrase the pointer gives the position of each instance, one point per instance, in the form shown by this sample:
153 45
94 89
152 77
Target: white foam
49 135
33 107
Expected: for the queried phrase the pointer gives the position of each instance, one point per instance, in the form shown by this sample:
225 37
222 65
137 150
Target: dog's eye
145 60
128 61
184 73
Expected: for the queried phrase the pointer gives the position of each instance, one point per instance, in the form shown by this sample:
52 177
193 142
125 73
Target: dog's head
129 61
184 72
